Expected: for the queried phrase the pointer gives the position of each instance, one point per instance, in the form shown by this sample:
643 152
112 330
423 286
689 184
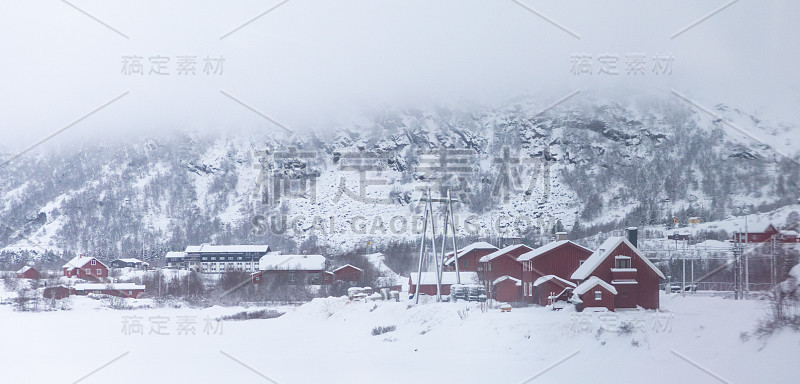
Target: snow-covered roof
469 248
100 286
547 278
79 262
275 261
603 252
787 232
348 265
547 248
448 278
501 252
175 255
591 283
207 248
131 260
24 269
501 279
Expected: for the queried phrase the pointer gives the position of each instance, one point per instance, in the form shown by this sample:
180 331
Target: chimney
561 236
633 235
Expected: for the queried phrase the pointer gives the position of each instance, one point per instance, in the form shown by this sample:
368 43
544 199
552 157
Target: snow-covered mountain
519 168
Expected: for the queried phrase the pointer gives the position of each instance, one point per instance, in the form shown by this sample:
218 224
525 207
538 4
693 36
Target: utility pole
746 260
421 254
694 288
683 262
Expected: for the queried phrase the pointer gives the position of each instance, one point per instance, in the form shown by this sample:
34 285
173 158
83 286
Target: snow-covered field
330 340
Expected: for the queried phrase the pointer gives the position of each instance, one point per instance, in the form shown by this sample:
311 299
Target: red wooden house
348 272
559 259
596 293
469 256
782 236
619 263
27 272
503 263
85 267
506 288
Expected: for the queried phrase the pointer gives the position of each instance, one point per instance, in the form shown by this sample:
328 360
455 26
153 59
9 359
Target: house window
622 262
88 271
525 290
94 262
598 295
258 278
99 272
464 263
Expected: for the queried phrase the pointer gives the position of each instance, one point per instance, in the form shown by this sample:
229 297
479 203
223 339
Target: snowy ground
330 340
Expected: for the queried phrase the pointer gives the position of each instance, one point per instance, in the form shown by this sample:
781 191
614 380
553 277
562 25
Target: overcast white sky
311 61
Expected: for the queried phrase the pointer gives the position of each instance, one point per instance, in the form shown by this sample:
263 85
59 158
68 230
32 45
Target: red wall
561 261
347 273
646 291
541 292
472 258
606 301
81 272
507 290
29 274
427 289
506 265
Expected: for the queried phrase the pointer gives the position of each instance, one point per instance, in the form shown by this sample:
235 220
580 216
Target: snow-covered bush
381 330
783 312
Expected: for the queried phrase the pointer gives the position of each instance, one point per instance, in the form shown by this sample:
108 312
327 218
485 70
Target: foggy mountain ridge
585 167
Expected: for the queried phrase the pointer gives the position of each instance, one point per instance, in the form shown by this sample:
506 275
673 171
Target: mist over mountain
584 166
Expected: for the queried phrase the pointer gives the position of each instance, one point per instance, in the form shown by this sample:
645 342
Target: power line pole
746 261
440 264
683 263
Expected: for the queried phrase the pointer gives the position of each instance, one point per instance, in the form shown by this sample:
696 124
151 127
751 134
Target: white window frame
99 272
94 262
88 271
598 295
